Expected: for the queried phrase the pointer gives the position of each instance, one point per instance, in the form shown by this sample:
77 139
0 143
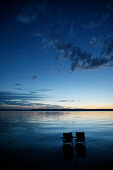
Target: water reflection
80 149
68 151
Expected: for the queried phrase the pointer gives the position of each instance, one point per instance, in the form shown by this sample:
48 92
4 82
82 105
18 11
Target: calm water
33 139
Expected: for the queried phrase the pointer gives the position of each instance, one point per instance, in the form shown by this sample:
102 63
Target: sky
56 54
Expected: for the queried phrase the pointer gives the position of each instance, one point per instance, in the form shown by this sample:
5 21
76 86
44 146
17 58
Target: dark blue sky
56 54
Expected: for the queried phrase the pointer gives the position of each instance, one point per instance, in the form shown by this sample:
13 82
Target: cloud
55 27
44 90
20 89
31 106
109 4
13 95
48 106
76 55
66 101
31 92
96 42
18 84
107 49
52 30
31 10
95 24
26 18
23 98
103 15
34 77
63 47
81 59
93 40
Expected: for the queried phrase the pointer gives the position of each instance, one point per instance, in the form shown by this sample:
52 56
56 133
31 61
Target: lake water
32 140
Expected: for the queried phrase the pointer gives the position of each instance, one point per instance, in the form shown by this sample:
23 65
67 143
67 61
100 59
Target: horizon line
63 109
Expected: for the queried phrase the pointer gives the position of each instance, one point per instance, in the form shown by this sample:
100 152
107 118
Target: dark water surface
32 140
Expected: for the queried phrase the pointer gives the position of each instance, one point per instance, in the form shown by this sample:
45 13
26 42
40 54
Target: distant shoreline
56 109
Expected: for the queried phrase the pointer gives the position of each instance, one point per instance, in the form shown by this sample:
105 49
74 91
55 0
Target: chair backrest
80 136
67 136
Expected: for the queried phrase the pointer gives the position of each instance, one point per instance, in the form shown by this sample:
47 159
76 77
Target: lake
32 140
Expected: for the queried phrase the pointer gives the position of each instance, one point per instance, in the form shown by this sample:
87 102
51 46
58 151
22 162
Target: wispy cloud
44 90
26 100
95 24
31 106
26 18
20 89
109 4
21 98
81 59
63 101
104 14
29 91
93 40
96 42
31 10
18 84
34 77
107 49
56 28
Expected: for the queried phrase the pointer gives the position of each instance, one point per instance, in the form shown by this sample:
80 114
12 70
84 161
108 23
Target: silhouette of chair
80 137
80 144
67 145
67 138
